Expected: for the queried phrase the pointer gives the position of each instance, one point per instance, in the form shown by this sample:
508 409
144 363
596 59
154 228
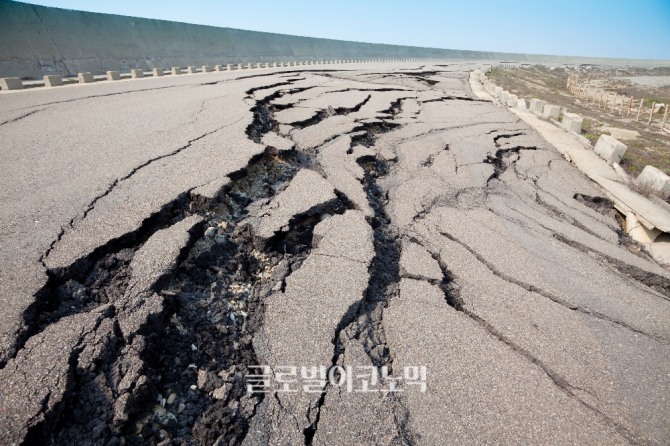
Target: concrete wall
36 40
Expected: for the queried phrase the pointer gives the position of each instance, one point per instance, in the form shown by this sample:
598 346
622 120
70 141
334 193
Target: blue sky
630 29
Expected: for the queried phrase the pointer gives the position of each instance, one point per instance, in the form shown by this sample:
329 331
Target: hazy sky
614 28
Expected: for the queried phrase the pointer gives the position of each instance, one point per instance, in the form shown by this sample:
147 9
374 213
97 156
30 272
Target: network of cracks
179 377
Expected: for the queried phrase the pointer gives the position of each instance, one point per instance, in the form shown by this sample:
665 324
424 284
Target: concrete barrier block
191 70
537 106
521 104
157 72
229 67
638 232
250 66
239 66
206 69
113 75
176 70
512 100
11 83
136 73
218 68
53 80
85 78
610 149
572 122
655 181
551 111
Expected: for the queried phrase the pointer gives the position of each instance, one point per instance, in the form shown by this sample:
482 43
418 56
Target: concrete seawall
37 40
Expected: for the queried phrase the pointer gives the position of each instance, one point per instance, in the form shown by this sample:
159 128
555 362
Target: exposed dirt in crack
95 279
453 98
318 117
502 159
366 133
263 120
601 205
220 291
192 356
327 113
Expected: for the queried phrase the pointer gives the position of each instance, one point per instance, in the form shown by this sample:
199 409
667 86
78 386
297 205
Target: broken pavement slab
301 326
650 214
306 191
154 262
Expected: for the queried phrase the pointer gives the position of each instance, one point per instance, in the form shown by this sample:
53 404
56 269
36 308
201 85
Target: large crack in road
346 220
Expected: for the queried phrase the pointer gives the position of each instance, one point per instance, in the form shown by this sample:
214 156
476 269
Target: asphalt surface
159 238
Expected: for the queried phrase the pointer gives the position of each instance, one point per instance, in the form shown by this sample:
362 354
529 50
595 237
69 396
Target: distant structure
36 41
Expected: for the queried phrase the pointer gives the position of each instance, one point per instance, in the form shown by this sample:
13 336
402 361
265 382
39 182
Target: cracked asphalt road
161 237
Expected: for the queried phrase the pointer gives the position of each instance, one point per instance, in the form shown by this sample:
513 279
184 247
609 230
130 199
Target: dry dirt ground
161 237
651 147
